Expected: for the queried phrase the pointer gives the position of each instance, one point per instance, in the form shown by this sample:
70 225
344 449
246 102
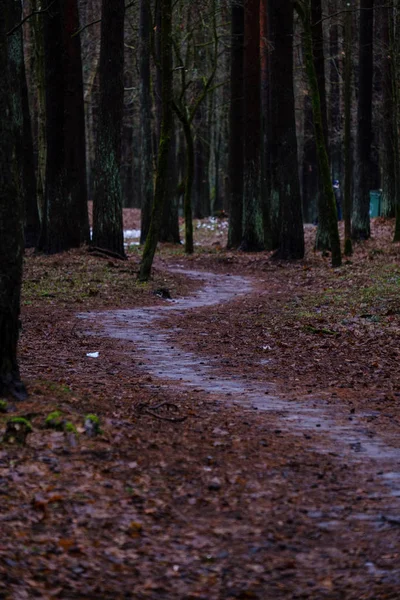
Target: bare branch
32 14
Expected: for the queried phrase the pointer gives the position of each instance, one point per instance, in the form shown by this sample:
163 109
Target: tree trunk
146 158
11 205
327 204
395 91
389 138
235 165
291 242
310 177
348 250
253 227
40 125
189 179
323 235
23 137
107 199
361 221
75 152
273 135
65 221
169 231
165 141
335 125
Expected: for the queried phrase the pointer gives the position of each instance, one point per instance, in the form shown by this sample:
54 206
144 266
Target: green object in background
375 197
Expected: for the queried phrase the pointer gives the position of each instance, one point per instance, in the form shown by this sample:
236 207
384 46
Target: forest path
372 506
157 352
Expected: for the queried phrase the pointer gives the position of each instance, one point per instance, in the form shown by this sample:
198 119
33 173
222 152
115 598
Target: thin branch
78 31
32 14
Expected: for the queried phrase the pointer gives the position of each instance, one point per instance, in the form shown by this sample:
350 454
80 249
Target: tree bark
389 148
235 165
23 136
327 204
146 159
65 221
361 221
253 227
11 206
395 92
165 141
291 242
323 235
107 195
335 124
40 115
348 250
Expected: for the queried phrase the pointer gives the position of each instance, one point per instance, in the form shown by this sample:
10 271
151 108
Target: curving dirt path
372 460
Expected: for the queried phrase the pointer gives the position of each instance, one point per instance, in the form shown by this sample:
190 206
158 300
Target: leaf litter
227 503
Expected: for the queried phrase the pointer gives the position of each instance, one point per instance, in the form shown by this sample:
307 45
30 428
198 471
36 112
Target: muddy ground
249 443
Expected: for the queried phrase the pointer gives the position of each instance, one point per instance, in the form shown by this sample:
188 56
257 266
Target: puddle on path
157 354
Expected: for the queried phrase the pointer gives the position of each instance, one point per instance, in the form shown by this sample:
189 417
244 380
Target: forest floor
249 444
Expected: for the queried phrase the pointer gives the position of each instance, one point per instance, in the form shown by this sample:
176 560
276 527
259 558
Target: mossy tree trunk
347 150
107 194
327 204
253 227
235 164
165 141
291 238
361 228
146 159
11 205
65 222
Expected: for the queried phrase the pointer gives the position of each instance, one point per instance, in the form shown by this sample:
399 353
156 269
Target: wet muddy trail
328 430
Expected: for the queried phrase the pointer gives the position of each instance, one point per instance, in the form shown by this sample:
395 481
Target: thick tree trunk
146 158
23 136
65 221
327 204
253 227
235 165
361 221
11 205
75 152
165 141
107 199
291 242
273 136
